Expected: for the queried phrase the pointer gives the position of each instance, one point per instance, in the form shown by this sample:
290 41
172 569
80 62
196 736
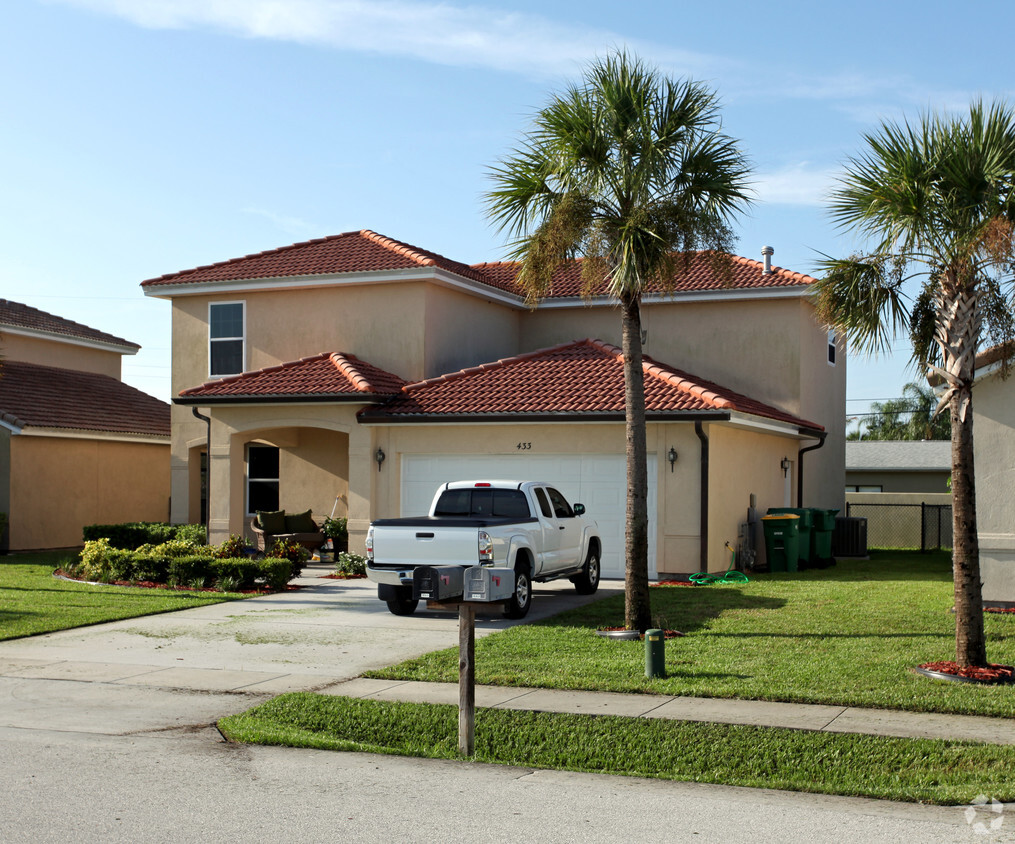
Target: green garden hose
703 578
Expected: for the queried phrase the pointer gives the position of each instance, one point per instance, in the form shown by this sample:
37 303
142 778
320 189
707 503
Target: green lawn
922 770
847 635
32 601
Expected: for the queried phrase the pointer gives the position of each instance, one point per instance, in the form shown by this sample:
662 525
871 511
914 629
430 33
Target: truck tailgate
411 545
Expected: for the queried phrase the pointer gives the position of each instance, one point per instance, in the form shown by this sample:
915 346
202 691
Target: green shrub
234 546
295 553
103 563
191 533
348 564
170 549
276 572
130 535
240 572
194 570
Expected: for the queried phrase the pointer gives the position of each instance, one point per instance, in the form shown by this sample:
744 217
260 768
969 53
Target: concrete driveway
184 669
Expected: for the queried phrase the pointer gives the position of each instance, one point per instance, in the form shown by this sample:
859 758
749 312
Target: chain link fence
924 527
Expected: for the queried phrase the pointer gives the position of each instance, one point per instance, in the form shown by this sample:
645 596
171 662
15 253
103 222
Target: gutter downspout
207 477
800 467
699 430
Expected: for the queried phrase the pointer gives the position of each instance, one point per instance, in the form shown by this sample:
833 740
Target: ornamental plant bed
341 576
992 674
624 633
151 584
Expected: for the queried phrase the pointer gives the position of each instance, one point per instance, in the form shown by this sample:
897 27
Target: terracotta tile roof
367 251
583 377
16 315
327 375
697 275
351 252
47 397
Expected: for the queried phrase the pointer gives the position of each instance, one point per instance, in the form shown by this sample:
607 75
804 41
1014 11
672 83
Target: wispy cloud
796 184
438 32
294 226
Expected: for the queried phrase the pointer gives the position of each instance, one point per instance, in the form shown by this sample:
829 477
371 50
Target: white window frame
242 338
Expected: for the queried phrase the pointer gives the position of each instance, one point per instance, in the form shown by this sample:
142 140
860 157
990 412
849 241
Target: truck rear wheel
587 582
521 600
402 603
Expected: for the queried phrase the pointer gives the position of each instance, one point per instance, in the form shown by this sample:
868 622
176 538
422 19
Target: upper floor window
225 338
831 347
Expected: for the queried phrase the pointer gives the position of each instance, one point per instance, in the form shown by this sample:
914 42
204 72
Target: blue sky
142 137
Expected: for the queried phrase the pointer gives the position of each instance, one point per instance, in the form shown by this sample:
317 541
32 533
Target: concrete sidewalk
798 716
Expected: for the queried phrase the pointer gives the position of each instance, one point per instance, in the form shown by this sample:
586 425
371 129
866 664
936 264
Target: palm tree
626 169
911 417
937 200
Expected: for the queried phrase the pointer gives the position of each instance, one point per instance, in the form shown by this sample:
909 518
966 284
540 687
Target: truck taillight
485 547
370 544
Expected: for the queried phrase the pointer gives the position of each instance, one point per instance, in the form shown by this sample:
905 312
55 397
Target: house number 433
524 446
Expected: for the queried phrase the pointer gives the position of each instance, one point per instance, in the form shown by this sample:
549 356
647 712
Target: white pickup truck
527 526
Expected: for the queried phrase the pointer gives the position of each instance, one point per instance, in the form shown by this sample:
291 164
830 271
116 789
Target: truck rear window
501 503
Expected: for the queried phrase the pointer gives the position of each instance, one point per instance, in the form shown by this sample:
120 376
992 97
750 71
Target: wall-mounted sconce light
785 464
379 456
671 455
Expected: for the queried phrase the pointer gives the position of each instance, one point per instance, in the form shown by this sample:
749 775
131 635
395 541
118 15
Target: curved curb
629 635
958 678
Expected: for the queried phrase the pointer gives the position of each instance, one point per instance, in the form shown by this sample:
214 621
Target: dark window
262 478
831 347
561 509
225 338
544 505
502 503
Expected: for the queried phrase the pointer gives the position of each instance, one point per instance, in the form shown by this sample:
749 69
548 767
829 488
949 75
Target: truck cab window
561 509
544 505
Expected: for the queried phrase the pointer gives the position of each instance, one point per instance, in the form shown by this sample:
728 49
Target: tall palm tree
626 169
937 201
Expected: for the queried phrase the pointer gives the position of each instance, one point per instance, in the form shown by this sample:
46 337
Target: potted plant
337 530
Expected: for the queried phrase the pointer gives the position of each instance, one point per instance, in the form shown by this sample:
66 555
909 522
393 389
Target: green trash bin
821 535
782 535
804 543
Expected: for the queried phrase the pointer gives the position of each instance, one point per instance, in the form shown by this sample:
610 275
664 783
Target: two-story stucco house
77 445
357 372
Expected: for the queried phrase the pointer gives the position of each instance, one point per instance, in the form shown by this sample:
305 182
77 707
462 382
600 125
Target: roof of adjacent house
579 379
899 455
366 251
18 316
32 395
325 377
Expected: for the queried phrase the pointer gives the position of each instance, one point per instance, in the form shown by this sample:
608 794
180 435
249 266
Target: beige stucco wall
917 482
48 352
462 330
994 444
5 479
60 485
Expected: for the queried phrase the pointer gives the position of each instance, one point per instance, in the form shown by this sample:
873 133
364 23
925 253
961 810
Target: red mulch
1000 609
667 634
151 584
672 583
340 576
993 673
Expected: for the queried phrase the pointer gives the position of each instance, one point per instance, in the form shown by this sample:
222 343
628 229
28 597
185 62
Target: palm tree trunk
957 334
637 611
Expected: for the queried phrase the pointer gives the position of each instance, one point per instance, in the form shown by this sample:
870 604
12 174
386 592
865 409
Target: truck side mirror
579 509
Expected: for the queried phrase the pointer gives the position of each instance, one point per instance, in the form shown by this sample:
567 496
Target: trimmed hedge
130 535
181 563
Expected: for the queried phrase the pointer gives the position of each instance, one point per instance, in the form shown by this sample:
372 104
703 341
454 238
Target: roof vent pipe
767 252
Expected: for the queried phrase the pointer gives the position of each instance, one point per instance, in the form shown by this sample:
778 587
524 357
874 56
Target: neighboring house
898 466
994 446
77 446
354 373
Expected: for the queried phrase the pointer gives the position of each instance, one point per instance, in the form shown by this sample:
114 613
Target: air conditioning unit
850 537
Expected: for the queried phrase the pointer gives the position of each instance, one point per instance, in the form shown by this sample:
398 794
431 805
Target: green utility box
782 537
804 542
821 536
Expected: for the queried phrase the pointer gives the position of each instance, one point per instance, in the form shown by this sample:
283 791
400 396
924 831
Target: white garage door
596 480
